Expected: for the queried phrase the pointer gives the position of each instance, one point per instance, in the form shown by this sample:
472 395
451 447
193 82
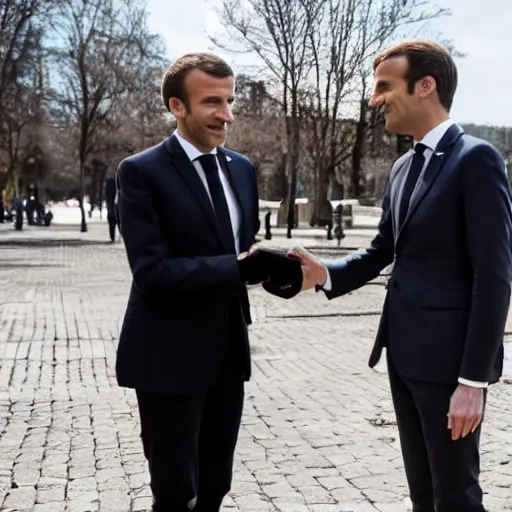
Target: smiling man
188 213
447 226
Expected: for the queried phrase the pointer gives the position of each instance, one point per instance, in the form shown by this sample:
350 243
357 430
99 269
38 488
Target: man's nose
226 114
375 100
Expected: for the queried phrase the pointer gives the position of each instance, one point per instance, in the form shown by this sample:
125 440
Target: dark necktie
418 161
209 164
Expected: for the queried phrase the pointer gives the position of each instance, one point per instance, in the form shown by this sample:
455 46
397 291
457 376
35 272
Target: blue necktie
417 164
220 205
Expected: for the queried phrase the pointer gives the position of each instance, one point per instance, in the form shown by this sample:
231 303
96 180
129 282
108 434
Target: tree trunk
83 226
286 214
92 194
292 170
290 196
102 188
357 153
322 210
15 181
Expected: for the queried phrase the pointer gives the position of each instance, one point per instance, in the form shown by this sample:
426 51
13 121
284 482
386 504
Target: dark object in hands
287 281
254 268
280 274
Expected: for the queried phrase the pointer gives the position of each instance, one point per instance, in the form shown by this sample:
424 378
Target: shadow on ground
31 242
23 265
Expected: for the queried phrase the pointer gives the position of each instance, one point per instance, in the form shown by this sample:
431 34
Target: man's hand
466 410
251 267
261 264
254 247
313 271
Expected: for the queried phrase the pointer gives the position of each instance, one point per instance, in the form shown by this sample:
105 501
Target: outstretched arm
338 277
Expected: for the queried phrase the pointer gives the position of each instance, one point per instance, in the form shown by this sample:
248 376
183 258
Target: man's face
391 95
204 120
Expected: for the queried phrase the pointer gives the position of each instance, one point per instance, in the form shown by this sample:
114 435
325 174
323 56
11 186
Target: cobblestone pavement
318 431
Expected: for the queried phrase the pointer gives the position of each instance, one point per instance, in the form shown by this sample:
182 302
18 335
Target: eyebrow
231 99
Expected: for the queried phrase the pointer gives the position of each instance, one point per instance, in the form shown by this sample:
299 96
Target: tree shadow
30 242
10 265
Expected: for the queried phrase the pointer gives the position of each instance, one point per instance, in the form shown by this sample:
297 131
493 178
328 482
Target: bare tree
344 39
255 107
259 132
101 46
278 32
15 19
136 123
144 110
320 52
21 56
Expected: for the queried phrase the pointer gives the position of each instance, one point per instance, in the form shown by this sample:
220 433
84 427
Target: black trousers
189 442
442 474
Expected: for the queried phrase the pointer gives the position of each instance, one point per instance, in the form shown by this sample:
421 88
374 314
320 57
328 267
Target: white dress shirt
430 140
193 153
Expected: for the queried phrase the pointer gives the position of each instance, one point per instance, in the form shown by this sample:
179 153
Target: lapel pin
228 158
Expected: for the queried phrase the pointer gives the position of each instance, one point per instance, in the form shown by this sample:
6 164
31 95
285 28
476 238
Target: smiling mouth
217 129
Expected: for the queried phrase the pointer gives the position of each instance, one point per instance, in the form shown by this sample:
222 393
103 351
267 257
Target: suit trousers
442 474
189 442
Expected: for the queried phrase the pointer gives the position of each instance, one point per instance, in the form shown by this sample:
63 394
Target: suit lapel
431 173
436 163
190 176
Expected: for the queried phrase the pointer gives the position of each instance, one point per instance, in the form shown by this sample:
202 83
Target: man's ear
426 86
177 107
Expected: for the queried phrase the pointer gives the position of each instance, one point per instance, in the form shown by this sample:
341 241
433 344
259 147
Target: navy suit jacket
448 296
180 311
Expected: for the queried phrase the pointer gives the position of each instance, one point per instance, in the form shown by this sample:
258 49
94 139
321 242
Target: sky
480 29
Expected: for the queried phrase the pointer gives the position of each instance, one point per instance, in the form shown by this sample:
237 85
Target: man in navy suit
446 224
188 212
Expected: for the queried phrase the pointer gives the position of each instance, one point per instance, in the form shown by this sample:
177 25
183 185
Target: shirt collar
434 136
191 151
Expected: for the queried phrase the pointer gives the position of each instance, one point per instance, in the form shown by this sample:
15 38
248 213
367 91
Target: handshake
278 273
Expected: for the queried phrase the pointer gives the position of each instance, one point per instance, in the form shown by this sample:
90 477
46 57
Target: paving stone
21 498
318 432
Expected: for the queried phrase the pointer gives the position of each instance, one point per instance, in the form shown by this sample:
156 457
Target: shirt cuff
327 286
473 383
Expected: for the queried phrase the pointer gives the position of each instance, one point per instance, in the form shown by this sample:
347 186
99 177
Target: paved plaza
318 431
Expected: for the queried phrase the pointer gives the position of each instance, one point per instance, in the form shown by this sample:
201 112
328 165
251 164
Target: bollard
338 223
18 221
268 234
329 230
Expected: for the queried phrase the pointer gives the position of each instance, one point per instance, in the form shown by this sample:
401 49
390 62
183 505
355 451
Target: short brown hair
426 58
174 77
